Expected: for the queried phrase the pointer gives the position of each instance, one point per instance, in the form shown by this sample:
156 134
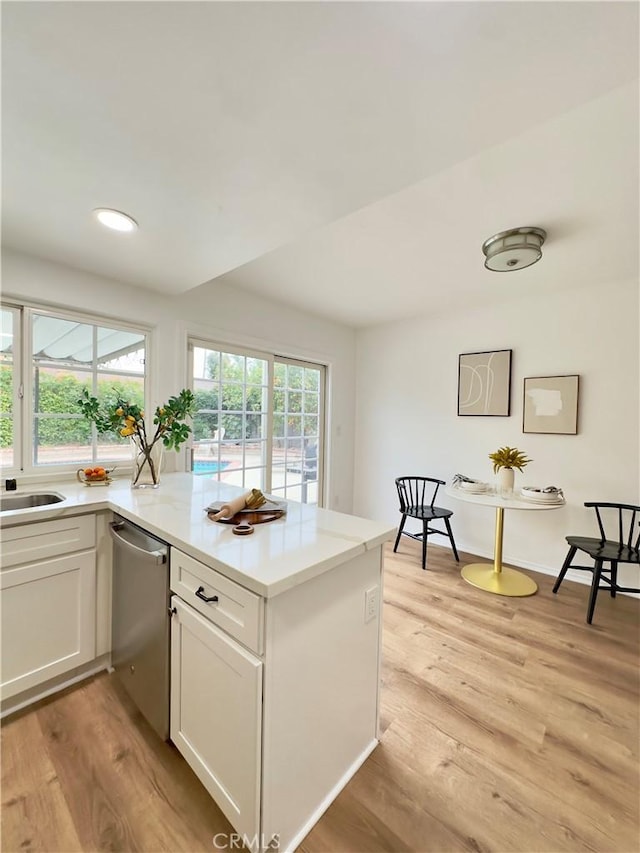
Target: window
9 386
63 355
259 421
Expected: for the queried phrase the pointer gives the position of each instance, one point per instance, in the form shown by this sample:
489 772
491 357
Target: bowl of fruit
97 476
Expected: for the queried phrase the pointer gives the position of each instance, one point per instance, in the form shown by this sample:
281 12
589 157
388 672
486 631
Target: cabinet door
216 711
48 620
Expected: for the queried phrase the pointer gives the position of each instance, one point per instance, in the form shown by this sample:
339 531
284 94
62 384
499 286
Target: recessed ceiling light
115 219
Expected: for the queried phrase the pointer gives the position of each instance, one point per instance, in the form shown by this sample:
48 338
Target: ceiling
346 158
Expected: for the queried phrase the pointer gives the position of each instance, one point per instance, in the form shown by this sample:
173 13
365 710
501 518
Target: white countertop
279 555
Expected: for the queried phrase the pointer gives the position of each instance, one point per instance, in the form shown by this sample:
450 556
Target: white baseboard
29 697
553 571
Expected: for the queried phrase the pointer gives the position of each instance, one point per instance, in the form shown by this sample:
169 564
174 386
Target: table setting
495 577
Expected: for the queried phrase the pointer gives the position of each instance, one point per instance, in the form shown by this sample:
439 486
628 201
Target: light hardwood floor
508 725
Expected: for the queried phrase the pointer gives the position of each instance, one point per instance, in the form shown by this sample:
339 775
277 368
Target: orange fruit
88 472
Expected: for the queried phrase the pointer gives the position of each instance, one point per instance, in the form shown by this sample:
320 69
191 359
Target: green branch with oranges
127 419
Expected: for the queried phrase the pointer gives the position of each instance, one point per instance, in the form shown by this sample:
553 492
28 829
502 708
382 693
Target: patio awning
55 339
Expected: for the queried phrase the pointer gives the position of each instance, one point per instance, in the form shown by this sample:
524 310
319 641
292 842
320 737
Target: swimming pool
201 466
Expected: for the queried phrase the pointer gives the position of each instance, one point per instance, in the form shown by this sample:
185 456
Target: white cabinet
216 714
48 602
274 731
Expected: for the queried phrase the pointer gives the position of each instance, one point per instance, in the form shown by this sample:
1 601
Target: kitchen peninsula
275 637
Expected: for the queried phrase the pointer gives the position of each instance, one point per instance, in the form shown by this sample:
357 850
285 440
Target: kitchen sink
8 502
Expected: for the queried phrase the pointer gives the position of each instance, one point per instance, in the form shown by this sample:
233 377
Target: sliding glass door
297 452
259 421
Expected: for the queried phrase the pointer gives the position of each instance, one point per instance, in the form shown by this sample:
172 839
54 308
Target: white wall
215 311
407 423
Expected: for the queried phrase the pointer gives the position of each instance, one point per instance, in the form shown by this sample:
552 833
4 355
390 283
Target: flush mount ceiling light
513 249
115 219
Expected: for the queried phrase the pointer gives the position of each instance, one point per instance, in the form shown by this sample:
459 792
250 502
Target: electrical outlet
370 604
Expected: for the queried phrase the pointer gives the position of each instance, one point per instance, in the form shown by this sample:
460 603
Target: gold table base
505 582
495 578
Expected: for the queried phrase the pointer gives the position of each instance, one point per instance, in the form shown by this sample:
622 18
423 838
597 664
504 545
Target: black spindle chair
417 496
619 547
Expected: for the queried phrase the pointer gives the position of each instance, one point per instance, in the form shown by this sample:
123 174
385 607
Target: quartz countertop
279 555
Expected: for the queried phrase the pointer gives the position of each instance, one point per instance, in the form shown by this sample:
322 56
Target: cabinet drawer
30 543
237 611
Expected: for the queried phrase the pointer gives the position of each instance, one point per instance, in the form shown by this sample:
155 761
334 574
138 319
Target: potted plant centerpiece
505 459
127 419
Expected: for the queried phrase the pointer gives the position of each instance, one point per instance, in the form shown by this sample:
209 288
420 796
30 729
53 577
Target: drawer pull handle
200 594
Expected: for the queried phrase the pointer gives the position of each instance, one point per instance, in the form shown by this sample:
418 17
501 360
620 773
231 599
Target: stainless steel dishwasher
140 620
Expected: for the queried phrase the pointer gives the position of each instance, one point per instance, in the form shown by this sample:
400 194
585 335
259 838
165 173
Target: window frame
24 466
17 393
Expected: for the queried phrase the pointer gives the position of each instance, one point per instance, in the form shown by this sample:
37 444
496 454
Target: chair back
620 523
417 491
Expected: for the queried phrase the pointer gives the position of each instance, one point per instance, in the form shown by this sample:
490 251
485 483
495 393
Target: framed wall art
550 405
484 383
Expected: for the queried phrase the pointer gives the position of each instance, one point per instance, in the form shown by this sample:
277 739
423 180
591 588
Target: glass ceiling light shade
514 249
115 219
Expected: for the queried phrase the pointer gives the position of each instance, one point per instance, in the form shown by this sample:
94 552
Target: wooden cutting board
249 517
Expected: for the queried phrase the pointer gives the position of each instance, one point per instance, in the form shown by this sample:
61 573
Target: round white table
497 578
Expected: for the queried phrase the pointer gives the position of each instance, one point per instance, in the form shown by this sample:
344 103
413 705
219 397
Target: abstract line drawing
550 404
484 383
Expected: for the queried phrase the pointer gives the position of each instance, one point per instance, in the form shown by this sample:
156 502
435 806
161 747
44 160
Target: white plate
473 487
541 496
538 495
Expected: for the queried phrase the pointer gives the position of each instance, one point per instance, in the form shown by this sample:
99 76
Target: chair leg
565 567
400 529
614 577
595 585
453 544
425 530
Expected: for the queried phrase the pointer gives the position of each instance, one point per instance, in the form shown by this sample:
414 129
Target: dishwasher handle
158 557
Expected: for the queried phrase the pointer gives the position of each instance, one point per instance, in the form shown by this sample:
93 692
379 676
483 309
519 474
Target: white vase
506 477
